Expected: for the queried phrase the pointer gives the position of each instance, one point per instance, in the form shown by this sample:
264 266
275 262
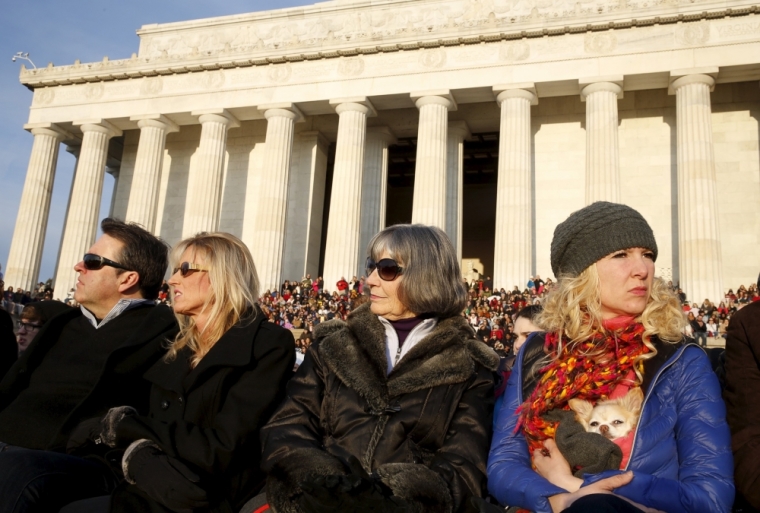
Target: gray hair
431 282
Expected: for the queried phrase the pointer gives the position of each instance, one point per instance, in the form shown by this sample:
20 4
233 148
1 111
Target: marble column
374 183
143 194
204 185
513 244
601 95
458 132
306 205
84 204
115 172
23 266
699 246
429 201
74 148
344 222
271 203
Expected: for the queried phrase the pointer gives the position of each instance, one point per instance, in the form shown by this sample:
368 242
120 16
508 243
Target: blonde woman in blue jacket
611 327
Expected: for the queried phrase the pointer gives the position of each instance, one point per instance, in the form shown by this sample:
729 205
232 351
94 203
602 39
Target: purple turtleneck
405 326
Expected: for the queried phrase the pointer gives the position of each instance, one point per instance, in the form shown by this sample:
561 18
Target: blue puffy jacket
681 457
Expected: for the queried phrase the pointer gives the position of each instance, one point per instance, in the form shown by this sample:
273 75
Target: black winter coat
209 417
424 429
743 407
8 345
120 382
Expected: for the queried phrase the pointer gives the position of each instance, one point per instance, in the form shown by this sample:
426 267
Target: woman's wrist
570 483
559 502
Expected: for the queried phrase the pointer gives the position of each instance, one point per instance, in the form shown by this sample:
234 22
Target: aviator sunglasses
93 262
387 268
186 268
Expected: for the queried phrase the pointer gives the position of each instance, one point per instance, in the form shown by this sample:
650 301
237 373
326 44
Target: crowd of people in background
300 305
15 300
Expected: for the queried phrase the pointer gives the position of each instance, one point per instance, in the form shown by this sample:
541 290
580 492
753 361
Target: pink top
624 442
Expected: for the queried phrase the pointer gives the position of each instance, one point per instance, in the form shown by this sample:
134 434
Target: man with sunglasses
81 363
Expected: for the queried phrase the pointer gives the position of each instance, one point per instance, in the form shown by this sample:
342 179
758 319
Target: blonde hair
573 310
233 291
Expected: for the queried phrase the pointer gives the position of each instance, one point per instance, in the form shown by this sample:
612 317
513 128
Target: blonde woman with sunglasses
391 409
224 373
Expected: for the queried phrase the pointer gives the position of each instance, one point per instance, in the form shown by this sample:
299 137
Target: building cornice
325 31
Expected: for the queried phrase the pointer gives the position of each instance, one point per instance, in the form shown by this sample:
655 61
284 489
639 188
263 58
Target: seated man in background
524 324
81 363
742 406
32 318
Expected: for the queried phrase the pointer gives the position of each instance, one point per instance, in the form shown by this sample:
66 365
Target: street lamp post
23 56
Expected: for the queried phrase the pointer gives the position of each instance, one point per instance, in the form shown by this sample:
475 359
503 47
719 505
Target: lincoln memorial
306 130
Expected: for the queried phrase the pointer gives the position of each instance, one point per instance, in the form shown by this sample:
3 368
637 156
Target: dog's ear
582 409
632 400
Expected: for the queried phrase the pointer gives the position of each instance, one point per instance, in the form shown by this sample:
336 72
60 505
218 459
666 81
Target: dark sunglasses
28 326
387 268
186 268
93 262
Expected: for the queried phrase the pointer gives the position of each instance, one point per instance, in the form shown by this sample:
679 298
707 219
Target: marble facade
305 130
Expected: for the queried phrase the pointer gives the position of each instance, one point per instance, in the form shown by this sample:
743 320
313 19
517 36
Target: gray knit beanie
596 231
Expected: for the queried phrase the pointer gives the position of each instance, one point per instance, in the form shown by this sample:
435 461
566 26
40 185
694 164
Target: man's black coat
120 380
742 405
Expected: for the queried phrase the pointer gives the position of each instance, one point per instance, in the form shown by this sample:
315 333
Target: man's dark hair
143 253
529 312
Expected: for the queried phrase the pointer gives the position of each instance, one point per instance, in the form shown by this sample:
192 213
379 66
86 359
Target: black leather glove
97 431
356 492
84 435
111 421
165 479
324 494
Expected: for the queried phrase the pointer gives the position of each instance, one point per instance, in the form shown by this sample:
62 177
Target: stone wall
559 153
736 134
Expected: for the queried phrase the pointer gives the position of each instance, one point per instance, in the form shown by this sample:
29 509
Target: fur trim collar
355 351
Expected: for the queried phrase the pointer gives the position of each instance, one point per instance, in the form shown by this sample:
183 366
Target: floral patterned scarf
576 374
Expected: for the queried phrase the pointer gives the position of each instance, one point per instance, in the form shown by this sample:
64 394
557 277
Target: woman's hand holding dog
563 501
552 466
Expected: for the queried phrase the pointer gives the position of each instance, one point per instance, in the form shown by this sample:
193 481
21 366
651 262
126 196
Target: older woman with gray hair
391 409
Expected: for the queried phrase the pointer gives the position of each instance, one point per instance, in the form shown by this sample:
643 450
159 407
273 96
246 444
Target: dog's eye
617 422
593 424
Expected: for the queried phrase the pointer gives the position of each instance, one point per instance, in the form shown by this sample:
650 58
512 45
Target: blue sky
61 32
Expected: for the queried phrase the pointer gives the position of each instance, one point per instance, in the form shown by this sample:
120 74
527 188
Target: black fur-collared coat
424 429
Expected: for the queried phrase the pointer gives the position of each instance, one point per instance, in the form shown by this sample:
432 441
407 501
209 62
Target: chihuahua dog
613 418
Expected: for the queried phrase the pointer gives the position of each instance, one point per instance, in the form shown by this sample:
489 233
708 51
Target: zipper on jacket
649 393
416 328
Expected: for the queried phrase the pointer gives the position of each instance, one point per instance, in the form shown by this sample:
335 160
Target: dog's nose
604 429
